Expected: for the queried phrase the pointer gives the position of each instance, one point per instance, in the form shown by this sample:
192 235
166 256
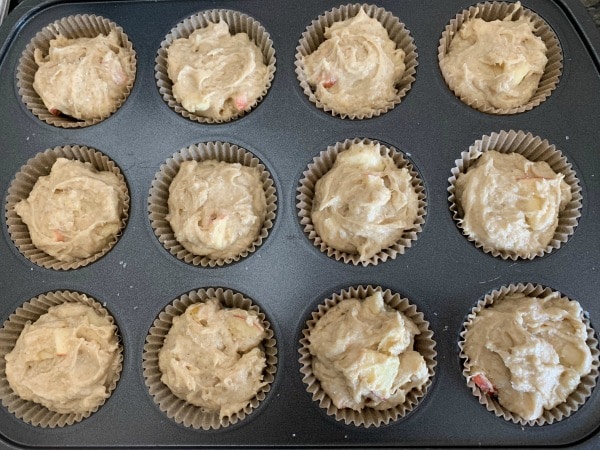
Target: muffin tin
287 277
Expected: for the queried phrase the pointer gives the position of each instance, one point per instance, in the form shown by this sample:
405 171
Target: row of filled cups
367 356
217 65
359 201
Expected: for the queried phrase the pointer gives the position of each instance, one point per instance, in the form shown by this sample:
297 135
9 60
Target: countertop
593 7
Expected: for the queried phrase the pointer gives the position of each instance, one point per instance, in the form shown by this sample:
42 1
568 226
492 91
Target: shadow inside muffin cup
22 185
323 164
423 344
314 36
158 207
29 411
494 10
563 410
71 27
178 409
238 23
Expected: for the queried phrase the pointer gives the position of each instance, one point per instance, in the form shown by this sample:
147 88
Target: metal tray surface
443 274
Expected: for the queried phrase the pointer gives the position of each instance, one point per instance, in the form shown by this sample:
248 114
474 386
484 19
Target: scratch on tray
489 281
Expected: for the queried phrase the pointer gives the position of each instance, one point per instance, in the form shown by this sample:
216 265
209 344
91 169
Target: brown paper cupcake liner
159 195
313 36
490 11
238 23
573 402
306 192
178 409
24 181
534 149
29 411
71 27
368 417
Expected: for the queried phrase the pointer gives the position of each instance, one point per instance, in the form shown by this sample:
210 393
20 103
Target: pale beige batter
364 203
84 78
65 360
363 354
497 63
510 203
212 357
215 74
74 212
216 209
530 352
356 69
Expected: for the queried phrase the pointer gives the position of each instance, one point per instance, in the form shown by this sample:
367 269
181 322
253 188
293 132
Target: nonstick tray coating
443 273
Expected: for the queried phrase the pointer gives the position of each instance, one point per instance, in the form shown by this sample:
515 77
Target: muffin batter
363 354
510 203
530 352
497 63
212 357
215 74
85 78
364 203
356 69
216 209
65 360
74 212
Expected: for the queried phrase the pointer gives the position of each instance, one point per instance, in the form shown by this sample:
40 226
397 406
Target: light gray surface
4 4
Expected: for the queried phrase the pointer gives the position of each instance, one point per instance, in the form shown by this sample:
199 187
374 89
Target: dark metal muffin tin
443 274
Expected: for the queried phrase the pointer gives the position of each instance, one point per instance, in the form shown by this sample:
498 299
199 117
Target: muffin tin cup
24 181
159 195
71 27
534 149
423 343
29 411
306 192
490 11
573 402
238 23
178 409
313 36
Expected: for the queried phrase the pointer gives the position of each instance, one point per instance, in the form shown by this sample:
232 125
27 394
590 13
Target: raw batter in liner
65 360
215 74
356 69
364 203
84 78
529 352
212 358
216 209
74 212
363 354
497 63
510 203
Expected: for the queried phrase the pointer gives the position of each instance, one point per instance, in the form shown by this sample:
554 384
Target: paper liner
71 27
159 195
238 23
573 401
178 409
24 181
424 344
490 11
320 166
29 411
313 36
534 149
